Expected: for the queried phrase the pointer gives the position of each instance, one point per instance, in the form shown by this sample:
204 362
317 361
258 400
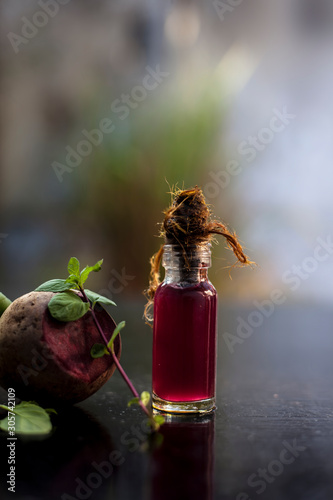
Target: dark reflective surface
48 467
182 466
271 437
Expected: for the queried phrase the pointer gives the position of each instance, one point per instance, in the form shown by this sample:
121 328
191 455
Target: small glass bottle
184 332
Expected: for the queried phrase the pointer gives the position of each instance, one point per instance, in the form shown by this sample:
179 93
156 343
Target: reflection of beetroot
47 360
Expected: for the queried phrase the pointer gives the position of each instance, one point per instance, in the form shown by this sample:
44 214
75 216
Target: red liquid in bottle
184 346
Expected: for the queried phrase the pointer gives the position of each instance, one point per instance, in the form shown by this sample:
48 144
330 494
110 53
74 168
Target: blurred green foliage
127 179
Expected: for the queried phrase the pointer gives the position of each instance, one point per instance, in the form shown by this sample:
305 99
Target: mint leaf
54 286
145 397
88 269
51 410
98 351
4 303
96 297
133 401
29 419
73 266
115 333
159 419
74 280
67 306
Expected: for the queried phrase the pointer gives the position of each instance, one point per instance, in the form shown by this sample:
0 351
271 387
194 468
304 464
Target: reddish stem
114 357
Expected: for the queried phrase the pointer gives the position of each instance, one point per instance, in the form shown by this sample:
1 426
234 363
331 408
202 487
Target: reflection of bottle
184 345
182 465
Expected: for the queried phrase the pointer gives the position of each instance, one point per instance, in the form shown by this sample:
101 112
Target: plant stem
4 407
114 357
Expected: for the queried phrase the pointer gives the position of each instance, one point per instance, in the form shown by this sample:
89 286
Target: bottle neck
188 266
190 277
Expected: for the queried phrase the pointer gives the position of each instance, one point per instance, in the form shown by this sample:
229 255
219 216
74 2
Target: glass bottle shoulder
174 288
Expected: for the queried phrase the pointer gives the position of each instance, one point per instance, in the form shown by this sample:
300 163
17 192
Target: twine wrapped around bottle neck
187 222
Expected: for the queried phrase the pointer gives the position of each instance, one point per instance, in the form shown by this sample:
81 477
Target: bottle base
202 406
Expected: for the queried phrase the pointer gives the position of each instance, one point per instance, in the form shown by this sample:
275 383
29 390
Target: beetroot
47 360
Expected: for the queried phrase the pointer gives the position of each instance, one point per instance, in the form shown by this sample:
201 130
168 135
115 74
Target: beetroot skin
49 361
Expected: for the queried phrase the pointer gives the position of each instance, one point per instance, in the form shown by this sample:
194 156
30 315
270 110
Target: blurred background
107 105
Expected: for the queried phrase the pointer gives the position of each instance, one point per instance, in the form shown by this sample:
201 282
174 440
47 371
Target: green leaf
73 266
145 397
159 419
54 286
88 269
98 351
4 303
67 306
51 410
75 280
116 331
29 419
133 401
96 297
